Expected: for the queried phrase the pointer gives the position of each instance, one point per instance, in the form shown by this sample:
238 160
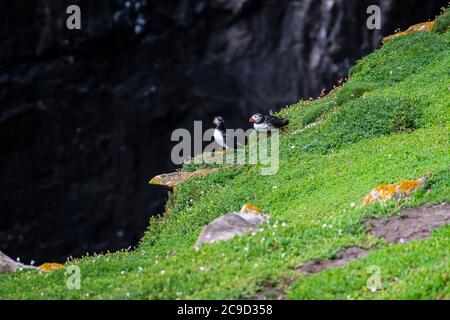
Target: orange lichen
420 27
397 190
50 266
248 207
408 185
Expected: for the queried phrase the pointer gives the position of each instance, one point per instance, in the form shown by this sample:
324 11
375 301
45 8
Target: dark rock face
86 115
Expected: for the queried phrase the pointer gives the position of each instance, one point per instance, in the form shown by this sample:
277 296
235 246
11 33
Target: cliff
380 135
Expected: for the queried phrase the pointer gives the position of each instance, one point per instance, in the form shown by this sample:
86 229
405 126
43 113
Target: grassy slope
389 122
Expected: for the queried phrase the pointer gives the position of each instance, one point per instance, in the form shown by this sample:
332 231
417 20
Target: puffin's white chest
262 126
218 136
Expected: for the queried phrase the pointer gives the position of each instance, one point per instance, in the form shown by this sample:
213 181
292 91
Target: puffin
267 122
220 134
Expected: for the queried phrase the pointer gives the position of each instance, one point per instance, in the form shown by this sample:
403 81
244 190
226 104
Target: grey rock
7 265
230 225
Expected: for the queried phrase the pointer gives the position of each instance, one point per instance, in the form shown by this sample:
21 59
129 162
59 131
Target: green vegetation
353 90
388 123
442 22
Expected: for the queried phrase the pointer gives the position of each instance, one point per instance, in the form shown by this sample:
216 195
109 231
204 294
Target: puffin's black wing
276 122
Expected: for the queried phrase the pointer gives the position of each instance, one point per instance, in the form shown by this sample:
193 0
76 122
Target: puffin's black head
256 118
218 121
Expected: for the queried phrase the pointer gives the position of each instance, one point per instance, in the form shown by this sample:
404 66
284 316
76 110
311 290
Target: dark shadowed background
86 116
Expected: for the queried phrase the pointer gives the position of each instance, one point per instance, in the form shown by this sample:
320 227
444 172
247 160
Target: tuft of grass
360 119
442 23
400 59
314 113
354 90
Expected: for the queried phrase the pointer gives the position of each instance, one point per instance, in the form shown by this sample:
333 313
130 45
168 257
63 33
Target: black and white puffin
220 136
267 123
220 132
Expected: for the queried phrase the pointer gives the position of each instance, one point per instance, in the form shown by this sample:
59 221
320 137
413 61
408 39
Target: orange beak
251 119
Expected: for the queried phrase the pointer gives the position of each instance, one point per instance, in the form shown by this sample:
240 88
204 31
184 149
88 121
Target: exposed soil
314 266
416 223
349 254
270 293
276 292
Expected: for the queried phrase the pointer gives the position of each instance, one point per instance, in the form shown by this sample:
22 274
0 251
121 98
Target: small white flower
127 294
163 271
122 272
292 147
32 262
18 259
352 204
324 225
203 268
246 249
401 240
139 269
263 239
283 224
